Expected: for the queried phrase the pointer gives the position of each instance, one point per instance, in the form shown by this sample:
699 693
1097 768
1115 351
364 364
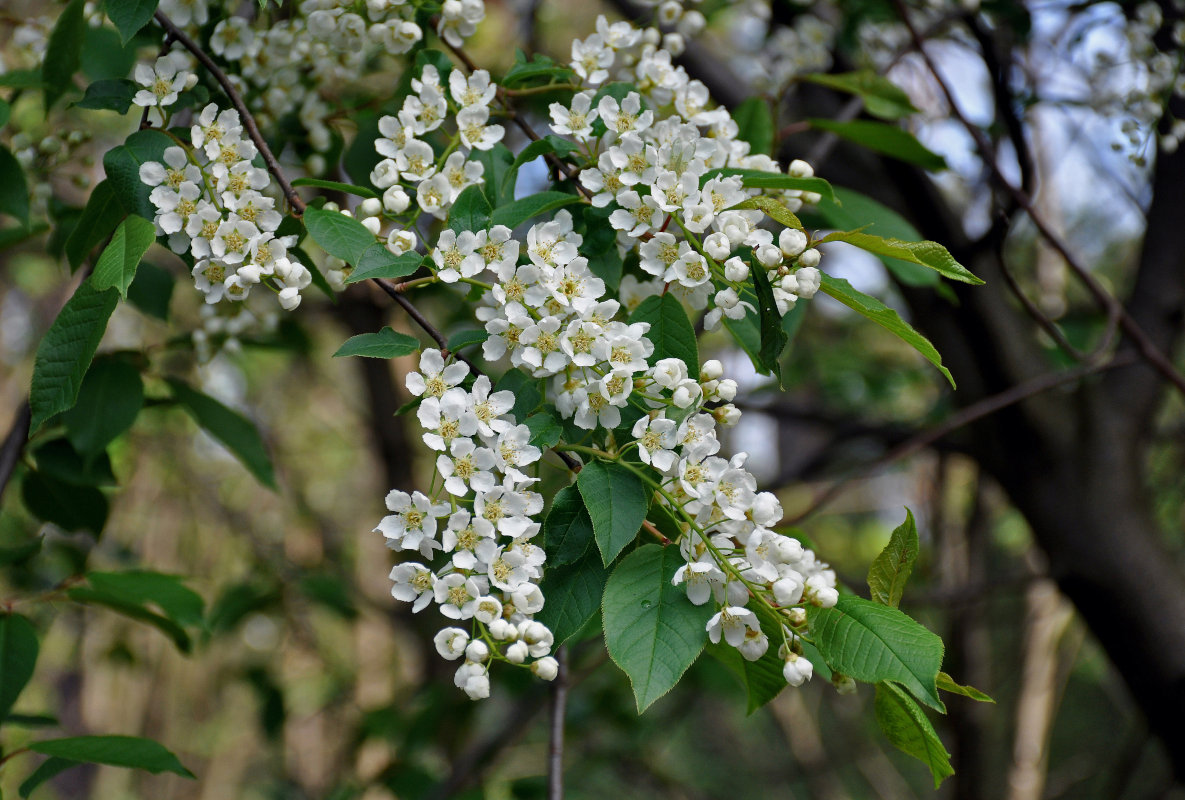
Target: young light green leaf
122 165
66 351
117 264
906 726
882 98
18 657
180 603
874 643
670 330
387 343
852 209
338 235
63 53
471 211
348 188
774 209
14 192
514 214
379 262
111 396
617 501
567 529
883 138
652 631
573 593
129 16
116 751
755 125
947 684
890 570
114 94
884 316
235 431
133 610
69 506
927 254
102 213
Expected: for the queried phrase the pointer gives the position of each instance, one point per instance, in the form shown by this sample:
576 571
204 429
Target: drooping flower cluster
210 202
476 526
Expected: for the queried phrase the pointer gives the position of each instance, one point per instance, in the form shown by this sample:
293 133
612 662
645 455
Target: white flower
490 408
591 59
446 418
476 90
627 117
413 584
475 133
797 670
457 596
434 378
455 256
469 466
435 195
699 577
575 120
733 622
162 82
656 441
451 643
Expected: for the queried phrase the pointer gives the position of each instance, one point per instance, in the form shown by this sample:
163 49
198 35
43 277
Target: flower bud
797 670
726 298
809 258
372 224
800 169
711 370
502 630
400 242
717 246
808 281
451 642
792 242
517 652
289 298
727 415
674 43
477 651
370 207
726 389
736 270
687 393
396 200
546 668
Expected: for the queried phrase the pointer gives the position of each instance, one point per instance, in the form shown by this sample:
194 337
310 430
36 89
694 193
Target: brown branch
236 99
14 445
1143 343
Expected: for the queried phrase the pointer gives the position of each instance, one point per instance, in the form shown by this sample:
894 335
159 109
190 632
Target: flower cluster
210 202
477 525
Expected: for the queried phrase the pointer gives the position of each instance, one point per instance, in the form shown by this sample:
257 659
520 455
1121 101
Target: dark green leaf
471 211
14 192
111 396
109 95
116 751
348 188
755 124
567 529
70 507
178 602
340 236
546 430
152 290
652 631
387 343
133 610
539 70
947 684
758 179
63 52
927 254
883 138
496 163
379 262
19 554
66 351
18 658
122 165
49 769
746 332
32 720
670 330
5 112
102 213
540 147
527 395
129 16
851 210
882 98
235 431
906 726
773 337
874 643
514 214
573 593
104 57
21 79
884 316
116 267
58 459
617 502
235 603
463 339
331 592
890 570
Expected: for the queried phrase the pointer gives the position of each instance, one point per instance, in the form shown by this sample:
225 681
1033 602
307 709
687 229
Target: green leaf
111 396
540 147
18 657
102 213
874 643
338 235
348 188
514 214
890 570
884 316
906 726
330 591
774 210
63 53
755 125
116 266
947 684
116 751
652 631
385 344
746 332
129 16
852 209
19 554
104 57
617 502
122 165
539 66
763 679
32 720
48 769
882 98
546 431
883 138
927 254
759 179
14 192
114 94
468 338
21 79
133 610
670 330
5 112
70 507
471 211
58 459
379 262
235 431
573 593
66 351
496 164
178 602
527 395
773 336
567 528
152 290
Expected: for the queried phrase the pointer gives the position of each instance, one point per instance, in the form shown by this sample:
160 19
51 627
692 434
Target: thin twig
972 413
14 445
273 166
555 750
1143 343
